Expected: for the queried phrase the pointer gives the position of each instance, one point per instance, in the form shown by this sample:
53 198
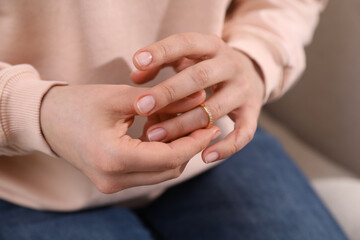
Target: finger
116 183
157 156
149 178
185 104
127 106
151 120
176 127
245 127
219 104
124 97
184 63
172 110
154 119
154 177
140 77
170 49
185 83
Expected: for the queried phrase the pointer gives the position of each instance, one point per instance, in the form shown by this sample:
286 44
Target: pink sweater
45 43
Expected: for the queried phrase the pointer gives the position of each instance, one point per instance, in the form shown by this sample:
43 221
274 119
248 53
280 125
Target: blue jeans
256 194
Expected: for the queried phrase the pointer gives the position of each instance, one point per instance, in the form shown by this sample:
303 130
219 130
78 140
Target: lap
258 193
101 223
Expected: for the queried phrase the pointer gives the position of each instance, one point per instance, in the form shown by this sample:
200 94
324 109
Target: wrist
257 75
48 117
261 84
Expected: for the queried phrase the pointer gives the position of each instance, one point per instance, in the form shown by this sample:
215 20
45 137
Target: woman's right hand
87 124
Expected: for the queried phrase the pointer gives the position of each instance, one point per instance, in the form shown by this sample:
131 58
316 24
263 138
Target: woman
65 138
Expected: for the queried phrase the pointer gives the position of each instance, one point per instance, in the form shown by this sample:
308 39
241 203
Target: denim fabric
110 223
257 194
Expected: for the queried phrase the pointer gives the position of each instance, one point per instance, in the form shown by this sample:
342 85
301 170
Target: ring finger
219 104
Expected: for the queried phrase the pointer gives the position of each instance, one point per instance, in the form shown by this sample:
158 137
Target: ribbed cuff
20 100
260 52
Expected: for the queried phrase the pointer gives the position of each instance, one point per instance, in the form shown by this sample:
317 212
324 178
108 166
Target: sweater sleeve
21 93
273 33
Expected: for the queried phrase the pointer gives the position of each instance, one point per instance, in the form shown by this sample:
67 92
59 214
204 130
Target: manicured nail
143 58
217 134
211 157
157 134
145 104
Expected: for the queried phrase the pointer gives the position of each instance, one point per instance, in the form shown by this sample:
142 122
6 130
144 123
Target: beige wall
324 107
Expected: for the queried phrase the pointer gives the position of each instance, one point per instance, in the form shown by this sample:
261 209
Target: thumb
195 142
123 97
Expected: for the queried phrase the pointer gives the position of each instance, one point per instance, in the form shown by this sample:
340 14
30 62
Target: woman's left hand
201 61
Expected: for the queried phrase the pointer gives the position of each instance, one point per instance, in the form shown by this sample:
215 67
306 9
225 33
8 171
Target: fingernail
217 134
157 134
211 157
143 58
146 103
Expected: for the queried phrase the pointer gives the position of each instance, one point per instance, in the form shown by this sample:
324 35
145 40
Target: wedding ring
208 113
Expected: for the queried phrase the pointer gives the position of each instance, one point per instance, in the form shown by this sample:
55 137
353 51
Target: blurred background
318 121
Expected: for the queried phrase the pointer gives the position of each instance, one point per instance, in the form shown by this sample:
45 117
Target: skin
204 61
86 125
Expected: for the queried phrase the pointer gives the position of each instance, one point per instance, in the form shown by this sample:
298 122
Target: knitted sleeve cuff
21 94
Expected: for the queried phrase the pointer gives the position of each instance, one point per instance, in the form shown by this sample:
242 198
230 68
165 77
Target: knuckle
179 127
245 87
169 92
109 166
234 148
200 75
238 140
183 166
197 145
186 39
217 41
177 173
107 186
174 162
163 50
249 135
243 137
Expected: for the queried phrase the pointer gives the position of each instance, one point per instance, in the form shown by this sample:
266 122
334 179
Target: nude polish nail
211 157
146 104
143 58
157 134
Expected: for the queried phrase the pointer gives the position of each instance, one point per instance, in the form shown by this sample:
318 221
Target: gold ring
208 113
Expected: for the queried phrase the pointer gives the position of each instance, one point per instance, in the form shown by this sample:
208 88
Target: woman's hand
201 61
87 124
